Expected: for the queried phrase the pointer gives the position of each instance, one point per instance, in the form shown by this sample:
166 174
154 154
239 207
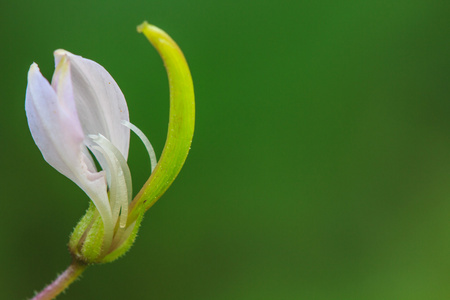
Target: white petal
54 126
99 101
57 132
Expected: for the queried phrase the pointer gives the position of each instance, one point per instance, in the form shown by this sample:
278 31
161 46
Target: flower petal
57 131
54 126
99 101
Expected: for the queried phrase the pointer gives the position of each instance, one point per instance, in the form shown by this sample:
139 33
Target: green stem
61 282
181 120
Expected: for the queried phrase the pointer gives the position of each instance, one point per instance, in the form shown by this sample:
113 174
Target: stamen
118 155
118 188
114 199
144 139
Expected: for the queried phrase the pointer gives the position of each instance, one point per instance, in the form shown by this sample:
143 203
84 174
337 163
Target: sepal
125 244
86 243
91 250
87 239
81 227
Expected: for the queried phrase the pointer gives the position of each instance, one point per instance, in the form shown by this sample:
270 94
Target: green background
320 164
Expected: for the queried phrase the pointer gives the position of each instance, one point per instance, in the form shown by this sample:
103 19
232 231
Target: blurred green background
320 166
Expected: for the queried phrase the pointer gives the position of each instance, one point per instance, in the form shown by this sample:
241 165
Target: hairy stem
61 282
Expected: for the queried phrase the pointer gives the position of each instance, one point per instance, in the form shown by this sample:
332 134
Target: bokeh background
320 166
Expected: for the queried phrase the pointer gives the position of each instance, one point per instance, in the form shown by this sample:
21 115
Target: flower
82 116
83 111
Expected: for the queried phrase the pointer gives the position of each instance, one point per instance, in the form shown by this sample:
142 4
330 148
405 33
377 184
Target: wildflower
82 116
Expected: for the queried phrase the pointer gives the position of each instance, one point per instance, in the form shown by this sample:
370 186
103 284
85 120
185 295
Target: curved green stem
181 120
61 282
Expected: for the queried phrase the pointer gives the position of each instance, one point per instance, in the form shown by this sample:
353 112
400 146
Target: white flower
83 111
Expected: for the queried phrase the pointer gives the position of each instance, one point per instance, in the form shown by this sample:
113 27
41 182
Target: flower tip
94 137
141 27
34 66
34 70
155 35
60 52
150 30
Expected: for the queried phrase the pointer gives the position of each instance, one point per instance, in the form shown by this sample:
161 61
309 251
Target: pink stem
61 282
